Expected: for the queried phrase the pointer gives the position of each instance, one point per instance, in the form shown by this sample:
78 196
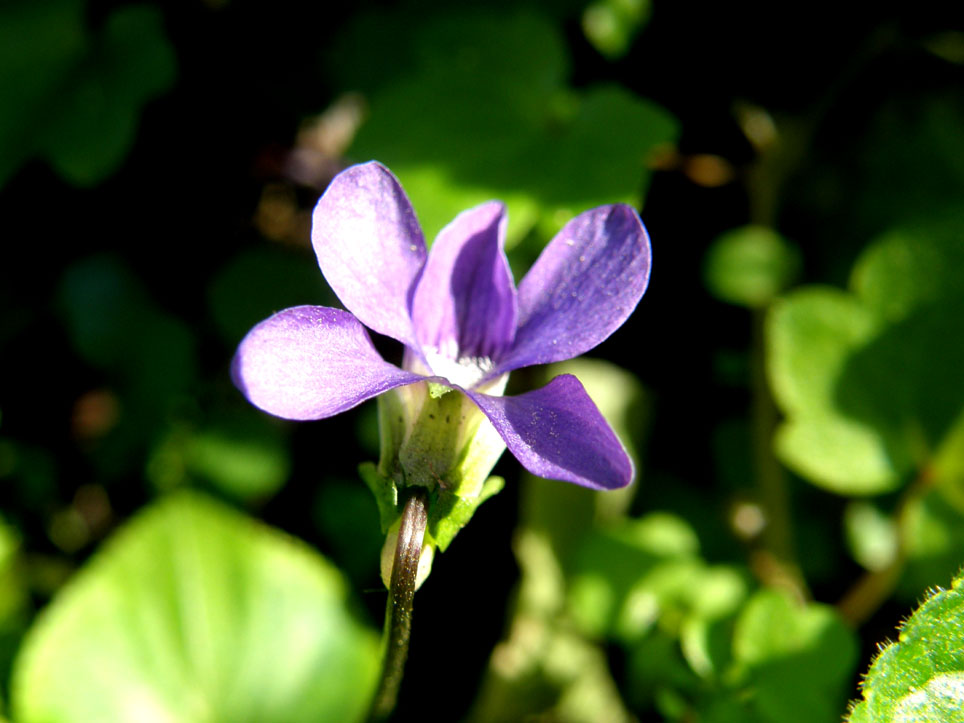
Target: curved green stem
398 612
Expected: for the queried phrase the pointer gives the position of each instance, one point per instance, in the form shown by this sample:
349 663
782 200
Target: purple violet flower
462 321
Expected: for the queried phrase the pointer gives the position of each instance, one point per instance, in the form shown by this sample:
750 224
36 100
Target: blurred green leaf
193 612
920 678
749 266
244 456
483 112
260 281
635 573
115 325
872 382
871 535
909 161
798 659
72 97
933 531
810 336
611 25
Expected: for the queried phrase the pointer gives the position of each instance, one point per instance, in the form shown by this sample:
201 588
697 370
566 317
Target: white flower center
465 371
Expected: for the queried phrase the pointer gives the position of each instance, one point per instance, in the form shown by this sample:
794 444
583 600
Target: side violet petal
582 288
311 362
465 302
370 247
558 432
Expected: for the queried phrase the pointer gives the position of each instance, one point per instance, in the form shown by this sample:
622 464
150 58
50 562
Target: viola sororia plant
464 327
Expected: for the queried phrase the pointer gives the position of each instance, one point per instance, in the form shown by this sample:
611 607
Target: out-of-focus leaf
115 325
749 266
910 266
872 382
637 572
811 333
909 161
72 97
611 25
196 613
934 539
871 535
244 456
483 112
838 454
797 659
258 282
920 678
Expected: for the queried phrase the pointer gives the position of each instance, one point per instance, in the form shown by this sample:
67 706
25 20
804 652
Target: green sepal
448 513
386 494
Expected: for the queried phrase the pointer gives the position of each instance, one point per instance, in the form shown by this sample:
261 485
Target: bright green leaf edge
920 678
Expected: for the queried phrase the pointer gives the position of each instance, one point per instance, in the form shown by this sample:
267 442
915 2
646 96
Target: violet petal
582 288
558 432
465 302
370 248
311 362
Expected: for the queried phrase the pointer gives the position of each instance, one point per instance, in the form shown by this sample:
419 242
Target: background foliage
791 386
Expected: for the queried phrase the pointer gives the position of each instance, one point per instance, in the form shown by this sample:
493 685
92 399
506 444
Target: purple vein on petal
310 362
582 288
370 248
558 432
465 303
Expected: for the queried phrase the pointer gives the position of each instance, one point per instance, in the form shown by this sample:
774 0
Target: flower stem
398 611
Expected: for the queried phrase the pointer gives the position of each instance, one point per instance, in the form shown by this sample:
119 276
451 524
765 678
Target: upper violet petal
465 302
582 288
558 432
370 247
310 362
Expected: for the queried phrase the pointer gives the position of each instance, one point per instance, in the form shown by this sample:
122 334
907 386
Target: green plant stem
781 568
398 611
868 593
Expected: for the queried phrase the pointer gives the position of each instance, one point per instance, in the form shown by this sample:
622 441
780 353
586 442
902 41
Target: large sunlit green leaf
194 613
920 678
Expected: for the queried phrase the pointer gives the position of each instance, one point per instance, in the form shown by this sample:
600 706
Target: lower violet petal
310 362
558 432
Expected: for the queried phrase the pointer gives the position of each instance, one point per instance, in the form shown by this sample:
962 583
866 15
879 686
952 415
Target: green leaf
193 612
838 454
75 97
749 266
244 456
920 678
98 110
797 659
611 25
483 112
810 336
909 266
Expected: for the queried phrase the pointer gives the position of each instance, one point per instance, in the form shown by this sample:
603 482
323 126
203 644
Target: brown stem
398 611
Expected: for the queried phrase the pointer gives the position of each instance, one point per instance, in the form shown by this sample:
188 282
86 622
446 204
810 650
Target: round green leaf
798 658
195 613
838 454
749 266
810 335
